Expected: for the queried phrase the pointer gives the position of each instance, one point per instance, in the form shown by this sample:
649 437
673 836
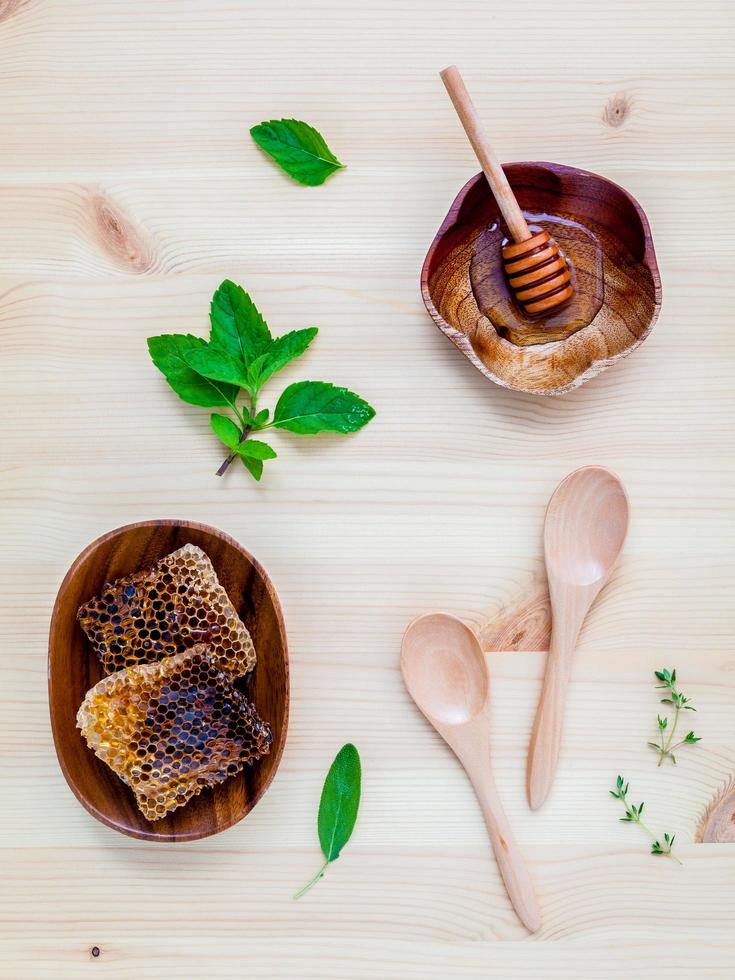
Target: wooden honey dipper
535 266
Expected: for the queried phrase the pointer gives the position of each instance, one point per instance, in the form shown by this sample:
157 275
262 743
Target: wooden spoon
585 527
445 672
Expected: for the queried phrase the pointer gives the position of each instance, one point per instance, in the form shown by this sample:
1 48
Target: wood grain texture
74 668
438 503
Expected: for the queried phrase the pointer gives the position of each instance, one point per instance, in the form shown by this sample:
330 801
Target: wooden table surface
129 188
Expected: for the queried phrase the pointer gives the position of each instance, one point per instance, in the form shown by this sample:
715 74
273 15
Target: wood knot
9 8
717 823
95 951
617 109
119 237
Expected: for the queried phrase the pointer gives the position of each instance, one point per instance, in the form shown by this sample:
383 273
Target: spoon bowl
444 669
586 524
446 674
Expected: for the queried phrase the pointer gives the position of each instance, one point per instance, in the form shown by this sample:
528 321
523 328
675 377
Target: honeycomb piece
157 612
172 728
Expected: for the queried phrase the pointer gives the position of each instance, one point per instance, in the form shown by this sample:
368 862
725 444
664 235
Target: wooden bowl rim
275 755
459 339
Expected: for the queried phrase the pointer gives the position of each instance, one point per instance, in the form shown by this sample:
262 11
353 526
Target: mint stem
223 468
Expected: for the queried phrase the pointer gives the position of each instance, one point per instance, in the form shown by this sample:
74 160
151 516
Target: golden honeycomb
157 612
172 728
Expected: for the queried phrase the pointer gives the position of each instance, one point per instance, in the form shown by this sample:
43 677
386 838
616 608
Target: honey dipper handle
484 152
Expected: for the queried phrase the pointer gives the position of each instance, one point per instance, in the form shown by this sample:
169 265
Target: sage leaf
338 807
308 407
216 364
255 449
237 326
283 350
297 148
225 430
169 352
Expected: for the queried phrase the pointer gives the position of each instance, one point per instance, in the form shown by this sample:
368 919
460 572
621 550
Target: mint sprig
239 358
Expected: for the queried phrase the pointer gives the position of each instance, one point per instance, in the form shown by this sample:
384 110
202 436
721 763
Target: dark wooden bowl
73 668
522 358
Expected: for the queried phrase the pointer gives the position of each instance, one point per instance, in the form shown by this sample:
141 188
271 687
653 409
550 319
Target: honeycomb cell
160 611
172 728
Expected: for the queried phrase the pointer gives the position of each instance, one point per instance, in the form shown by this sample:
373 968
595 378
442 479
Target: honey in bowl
494 298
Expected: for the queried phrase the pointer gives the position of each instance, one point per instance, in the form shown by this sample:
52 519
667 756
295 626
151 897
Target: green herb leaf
678 702
237 326
340 801
308 407
279 354
216 364
262 417
633 815
254 449
225 430
169 353
297 148
253 466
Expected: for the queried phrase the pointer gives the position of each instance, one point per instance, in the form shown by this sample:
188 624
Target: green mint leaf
298 149
254 449
279 354
339 802
254 466
216 364
169 352
308 407
237 326
262 417
225 430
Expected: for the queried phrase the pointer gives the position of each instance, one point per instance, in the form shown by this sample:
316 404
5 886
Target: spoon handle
543 750
508 855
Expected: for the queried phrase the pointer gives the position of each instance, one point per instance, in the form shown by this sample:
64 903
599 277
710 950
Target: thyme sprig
666 733
633 815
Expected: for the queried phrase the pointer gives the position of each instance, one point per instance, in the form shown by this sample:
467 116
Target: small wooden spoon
445 672
585 527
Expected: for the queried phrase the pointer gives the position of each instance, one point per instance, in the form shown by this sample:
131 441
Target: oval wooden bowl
73 668
632 286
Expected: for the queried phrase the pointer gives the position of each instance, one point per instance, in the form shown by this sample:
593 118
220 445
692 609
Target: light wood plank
129 188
